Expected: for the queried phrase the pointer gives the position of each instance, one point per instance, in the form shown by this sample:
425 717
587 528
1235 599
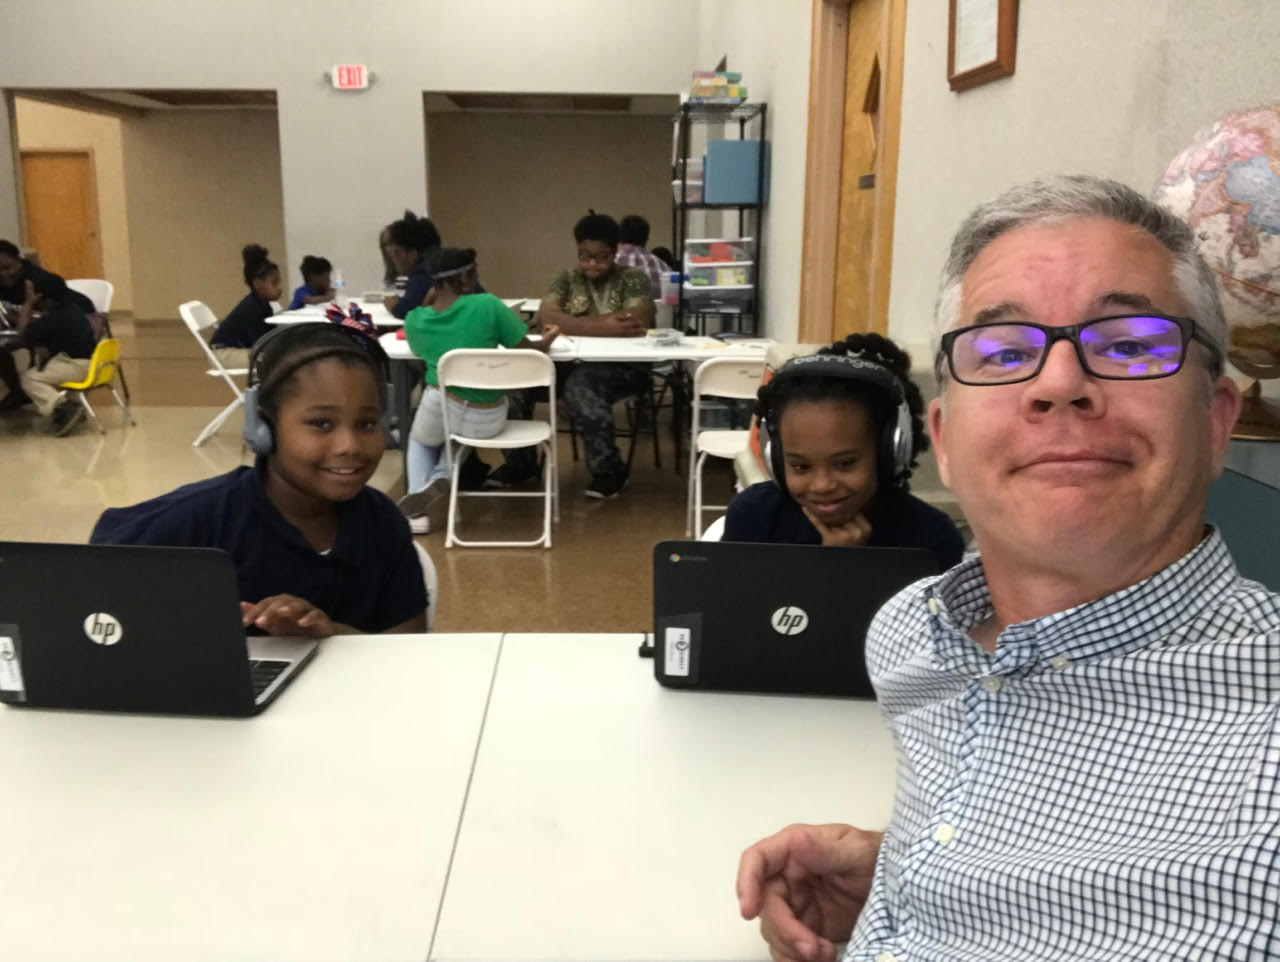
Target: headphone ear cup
389 407
256 431
772 451
897 447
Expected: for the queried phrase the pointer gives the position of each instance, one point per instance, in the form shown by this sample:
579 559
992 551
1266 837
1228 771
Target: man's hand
622 324
549 333
390 302
29 292
287 615
807 884
851 533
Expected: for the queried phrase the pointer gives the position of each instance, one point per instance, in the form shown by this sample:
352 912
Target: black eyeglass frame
1189 329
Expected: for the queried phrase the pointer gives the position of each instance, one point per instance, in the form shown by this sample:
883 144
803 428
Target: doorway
61 203
855 102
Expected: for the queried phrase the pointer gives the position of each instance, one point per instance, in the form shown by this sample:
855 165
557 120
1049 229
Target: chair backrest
727 377
432 582
495 369
98 291
197 316
104 363
715 530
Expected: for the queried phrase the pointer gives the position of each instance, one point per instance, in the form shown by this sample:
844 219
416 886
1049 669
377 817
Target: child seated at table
841 431
458 317
317 552
317 287
247 322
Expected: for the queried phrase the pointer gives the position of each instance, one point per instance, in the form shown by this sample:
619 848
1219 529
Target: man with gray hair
1085 712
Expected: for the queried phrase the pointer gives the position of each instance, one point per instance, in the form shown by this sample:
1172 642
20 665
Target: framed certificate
982 38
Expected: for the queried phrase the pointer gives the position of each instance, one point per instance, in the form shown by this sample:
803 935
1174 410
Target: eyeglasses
586 258
1123 347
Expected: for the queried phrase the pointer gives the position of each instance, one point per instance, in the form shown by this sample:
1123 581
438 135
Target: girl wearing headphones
317 552
841 430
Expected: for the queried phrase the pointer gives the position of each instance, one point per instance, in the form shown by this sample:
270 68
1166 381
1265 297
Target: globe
1226 185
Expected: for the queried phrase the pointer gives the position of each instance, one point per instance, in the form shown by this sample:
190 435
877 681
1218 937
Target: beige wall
769 40
44 126
511 185
1083 98
200 185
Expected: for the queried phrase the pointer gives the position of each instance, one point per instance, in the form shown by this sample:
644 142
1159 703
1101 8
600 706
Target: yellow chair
103 368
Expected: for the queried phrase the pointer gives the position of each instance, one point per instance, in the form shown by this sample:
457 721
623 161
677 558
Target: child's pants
41 384
426 437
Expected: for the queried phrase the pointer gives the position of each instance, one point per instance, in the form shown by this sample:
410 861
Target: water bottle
671 288
337 284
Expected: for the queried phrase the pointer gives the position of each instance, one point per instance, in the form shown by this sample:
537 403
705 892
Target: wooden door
62 211
856 225
852 166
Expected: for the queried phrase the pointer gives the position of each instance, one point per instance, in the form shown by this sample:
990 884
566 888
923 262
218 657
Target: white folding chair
503 370
432 582
715 530
719 377
100 292
199 318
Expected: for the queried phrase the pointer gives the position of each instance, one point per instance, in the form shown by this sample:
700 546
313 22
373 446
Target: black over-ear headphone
893 447
257 430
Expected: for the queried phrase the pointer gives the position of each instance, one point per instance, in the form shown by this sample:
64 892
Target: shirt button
944 833
1060 662
993 683
886 957
934 607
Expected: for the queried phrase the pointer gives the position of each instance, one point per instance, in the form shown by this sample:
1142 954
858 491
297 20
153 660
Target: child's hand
849 534
390 302
287 615
549 333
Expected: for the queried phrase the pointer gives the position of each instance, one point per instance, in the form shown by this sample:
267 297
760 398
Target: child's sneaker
606 486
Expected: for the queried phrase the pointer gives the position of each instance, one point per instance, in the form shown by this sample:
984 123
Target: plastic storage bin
692 192
718 250
733 299
730 274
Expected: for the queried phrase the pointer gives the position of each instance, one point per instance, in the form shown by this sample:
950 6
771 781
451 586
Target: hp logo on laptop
789 620
102 629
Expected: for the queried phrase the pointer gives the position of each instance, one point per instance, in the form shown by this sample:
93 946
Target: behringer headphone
257 431
893 447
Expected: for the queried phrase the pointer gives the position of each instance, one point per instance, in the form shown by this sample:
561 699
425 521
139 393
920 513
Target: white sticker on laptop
678 644
10 667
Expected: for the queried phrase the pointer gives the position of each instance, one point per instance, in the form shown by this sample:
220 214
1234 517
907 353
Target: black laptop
136 629
775 618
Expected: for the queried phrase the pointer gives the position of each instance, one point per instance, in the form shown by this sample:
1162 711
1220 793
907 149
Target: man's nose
1064 383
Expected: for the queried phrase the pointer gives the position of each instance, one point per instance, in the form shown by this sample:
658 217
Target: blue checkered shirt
1104 786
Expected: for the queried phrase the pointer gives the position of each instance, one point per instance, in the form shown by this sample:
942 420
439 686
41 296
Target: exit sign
350 76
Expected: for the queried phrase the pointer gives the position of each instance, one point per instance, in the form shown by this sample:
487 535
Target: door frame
93 196
823 164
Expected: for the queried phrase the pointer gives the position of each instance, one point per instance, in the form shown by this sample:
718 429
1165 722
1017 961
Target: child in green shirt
456 318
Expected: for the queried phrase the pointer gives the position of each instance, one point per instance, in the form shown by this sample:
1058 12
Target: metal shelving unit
749 215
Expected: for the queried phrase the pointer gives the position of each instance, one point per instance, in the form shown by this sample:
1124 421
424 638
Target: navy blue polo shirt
371 579
764 512
246 323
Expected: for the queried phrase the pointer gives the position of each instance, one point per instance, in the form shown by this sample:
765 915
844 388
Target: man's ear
937 437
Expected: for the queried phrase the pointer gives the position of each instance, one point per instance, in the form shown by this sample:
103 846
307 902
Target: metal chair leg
88 409
124 407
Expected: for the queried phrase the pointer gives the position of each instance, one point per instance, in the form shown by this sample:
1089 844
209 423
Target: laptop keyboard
262 673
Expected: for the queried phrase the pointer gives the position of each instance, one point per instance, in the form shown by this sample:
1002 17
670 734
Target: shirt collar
1122 621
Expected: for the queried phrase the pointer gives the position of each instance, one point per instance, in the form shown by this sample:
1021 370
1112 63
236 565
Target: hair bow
354 319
